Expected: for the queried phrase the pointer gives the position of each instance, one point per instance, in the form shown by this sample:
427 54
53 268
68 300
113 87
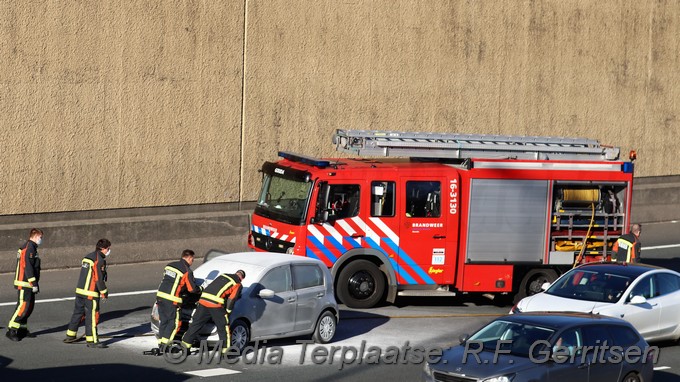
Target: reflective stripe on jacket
224 290
91 283
27 271
177 277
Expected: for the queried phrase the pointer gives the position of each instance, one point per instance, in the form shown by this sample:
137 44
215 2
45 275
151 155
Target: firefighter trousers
202 315
168 314
85 309
25 304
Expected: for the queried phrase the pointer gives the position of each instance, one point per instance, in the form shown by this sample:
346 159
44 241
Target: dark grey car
548 347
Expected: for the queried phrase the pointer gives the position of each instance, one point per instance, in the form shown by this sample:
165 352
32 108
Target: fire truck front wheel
361 285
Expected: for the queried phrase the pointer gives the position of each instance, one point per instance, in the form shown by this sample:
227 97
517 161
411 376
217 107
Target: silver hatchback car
283 296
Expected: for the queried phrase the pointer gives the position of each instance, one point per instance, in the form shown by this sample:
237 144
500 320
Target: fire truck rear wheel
532 282
361 285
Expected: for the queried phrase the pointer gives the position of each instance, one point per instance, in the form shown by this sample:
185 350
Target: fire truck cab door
426 240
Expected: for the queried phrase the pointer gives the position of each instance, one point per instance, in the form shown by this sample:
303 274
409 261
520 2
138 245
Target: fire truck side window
382 198
344 200
423 199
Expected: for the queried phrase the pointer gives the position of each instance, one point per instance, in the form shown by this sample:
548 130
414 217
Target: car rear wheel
325 328
631 377
240 335
361 284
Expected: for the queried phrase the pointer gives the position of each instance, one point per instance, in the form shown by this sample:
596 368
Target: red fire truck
440 214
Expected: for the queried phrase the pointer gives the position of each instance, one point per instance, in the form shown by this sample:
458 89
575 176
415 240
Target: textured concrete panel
113 104
116 104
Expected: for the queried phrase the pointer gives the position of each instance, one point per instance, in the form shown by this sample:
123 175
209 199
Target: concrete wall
109 104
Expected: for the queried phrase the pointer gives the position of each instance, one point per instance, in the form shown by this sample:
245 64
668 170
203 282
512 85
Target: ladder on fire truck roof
461 146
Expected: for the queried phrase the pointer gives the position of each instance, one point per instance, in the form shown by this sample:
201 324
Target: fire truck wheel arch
375 265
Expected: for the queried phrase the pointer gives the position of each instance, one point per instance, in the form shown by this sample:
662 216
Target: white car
282 296
646 296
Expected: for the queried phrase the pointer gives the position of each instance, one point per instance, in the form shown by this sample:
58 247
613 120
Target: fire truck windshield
284 199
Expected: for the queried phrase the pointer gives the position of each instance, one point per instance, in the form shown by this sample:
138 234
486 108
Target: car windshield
517 338
590 285
283 199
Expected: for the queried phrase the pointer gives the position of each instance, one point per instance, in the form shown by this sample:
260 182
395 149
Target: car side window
278 279
596 335
382 198
644 288
623 335
667 283
307 276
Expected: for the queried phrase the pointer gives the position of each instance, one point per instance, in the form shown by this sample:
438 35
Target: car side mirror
638 300
266 293
545 286
463 338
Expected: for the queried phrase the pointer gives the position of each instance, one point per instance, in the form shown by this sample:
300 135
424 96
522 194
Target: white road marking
662 368
73 298
661 247
212 372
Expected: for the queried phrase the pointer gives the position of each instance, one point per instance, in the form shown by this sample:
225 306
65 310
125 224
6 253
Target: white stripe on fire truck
316 233
355 241
370 234
386 230
333 232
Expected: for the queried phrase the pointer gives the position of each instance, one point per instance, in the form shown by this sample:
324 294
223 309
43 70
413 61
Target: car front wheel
240 335
631 377
325 328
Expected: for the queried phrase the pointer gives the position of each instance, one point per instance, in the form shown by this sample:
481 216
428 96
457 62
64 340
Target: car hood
455 360
550 303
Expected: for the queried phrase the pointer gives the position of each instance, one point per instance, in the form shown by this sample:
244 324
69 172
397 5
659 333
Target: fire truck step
429 292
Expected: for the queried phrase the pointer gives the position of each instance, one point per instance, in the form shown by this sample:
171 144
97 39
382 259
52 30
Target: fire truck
430 214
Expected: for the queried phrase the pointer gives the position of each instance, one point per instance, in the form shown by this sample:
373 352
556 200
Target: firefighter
627 247
217 301
26 278
177 279
90 288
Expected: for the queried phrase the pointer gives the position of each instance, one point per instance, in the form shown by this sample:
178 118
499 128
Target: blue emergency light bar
321 163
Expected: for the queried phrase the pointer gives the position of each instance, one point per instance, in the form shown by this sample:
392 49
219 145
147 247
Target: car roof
264 259
625 269
558 320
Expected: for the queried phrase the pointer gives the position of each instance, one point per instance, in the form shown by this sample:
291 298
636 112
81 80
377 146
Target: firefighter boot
12 335
24 333
97 345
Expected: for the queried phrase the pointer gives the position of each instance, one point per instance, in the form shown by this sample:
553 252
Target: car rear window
623 335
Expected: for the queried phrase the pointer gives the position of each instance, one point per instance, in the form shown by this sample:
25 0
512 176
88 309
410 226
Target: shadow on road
99 372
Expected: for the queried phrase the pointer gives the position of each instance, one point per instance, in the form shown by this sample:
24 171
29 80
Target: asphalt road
427 324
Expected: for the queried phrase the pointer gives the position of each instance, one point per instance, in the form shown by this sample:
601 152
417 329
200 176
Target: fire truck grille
270 244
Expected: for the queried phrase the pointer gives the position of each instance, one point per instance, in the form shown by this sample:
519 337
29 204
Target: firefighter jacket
177 278
222 292
627 248
92 281
27 273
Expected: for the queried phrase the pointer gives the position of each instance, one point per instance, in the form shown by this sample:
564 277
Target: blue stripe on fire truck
260 230
412 264
352 241
395 266
321 247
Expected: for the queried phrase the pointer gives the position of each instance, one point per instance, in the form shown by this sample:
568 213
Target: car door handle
583 365
439 236
320 294
291 299
356 235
